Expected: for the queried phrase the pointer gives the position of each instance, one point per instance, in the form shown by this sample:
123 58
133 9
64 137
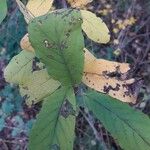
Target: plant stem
89 119
63 3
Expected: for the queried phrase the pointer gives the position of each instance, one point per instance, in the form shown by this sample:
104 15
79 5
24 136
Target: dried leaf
27 14
25 43
94 27
79 3
39 7
97 75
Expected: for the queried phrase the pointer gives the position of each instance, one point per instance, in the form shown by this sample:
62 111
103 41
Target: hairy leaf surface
129 127
59 47
54 128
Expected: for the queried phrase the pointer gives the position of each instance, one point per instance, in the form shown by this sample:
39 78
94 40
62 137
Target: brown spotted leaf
101 75
34 85
38 86
58 42
54 128
97 75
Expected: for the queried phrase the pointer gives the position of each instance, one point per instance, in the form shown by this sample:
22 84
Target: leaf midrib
58 115
62 55
121 120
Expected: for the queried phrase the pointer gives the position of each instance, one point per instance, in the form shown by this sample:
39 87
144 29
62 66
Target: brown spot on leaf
25 88
67 109
48 44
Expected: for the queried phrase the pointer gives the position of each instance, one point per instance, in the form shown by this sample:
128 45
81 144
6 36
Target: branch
89 119
63 3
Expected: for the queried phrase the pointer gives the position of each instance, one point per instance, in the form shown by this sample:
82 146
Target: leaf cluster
56 39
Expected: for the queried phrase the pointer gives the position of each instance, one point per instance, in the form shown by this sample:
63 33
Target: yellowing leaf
97 75
34 85
25 43
38 86
102 66
111 86
94 27
79 3
19 68
39 7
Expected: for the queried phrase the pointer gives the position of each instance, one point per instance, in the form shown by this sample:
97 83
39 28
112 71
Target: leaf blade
3 10
34 85
94 27
38 7
79 3
19 68
99 77
125 124
38 86
60 48
51 131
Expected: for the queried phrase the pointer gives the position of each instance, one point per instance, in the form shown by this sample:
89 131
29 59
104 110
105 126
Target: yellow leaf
34 8
39 7
100 66
79 3
97 76
94 27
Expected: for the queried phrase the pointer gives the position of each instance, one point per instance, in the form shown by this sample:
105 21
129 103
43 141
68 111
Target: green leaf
54 128
34 85
131 128
58 42
3 9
